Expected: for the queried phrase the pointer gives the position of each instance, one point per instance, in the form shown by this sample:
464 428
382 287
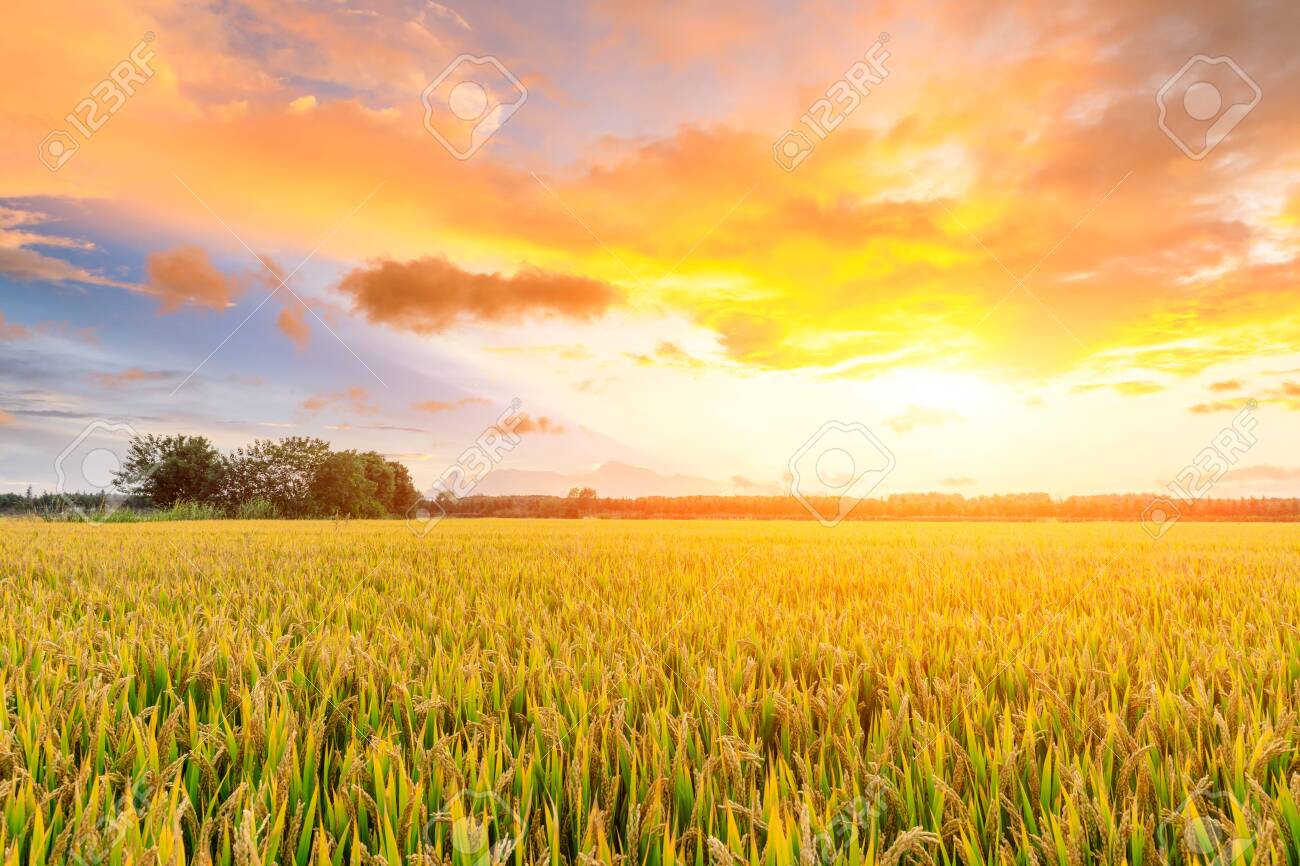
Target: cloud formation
294 307
431 294
447 405
292 322
128 377
1215 406
903 220
542 424
186 276
356 399
1287 394
13 331
668 354
18 261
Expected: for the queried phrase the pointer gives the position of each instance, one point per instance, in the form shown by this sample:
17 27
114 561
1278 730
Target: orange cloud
13 332
357 399
1287 394
1134 389
669 354
755 339
1226 385
527 424
129 376
6 420
292 322
447 406
67 331
1215 406
187 276
431 294
292 319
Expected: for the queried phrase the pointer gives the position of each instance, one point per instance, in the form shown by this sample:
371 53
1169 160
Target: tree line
954 506
301 477
292 477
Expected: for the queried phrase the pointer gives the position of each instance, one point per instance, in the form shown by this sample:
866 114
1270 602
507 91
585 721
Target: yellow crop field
648 693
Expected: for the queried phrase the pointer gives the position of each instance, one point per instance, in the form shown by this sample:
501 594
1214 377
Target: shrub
257 509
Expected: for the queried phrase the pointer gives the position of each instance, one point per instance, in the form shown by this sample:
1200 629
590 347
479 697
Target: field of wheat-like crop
648 693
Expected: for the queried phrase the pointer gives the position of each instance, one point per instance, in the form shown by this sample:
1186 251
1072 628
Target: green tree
170 469
404 493
280 472
380 471
342 487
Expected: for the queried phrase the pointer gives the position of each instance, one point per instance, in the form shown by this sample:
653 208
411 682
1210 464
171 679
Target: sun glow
966 393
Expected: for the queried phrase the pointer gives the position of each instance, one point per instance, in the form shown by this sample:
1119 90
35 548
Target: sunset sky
1003 259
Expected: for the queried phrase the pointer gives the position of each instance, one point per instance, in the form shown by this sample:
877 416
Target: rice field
547 692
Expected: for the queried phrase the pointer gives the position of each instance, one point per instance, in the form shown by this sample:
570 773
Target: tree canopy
297 476
170 469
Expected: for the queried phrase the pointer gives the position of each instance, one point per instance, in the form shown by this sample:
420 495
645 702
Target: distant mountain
614 479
